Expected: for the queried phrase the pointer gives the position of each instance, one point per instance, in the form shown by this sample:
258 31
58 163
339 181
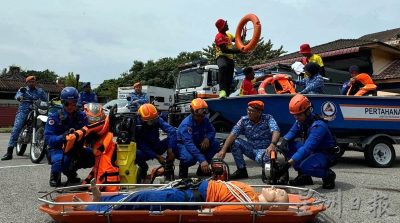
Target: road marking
5 167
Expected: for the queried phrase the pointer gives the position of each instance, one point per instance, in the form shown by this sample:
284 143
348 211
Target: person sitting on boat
313 82
191 191
147 135
262 134
360 83
196 140
247 87
137 98
316 155
305 49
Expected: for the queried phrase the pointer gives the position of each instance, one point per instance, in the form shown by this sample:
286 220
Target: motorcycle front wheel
21 142
38 149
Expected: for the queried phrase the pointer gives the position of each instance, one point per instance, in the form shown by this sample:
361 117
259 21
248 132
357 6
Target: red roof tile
13 85
383 36
391 72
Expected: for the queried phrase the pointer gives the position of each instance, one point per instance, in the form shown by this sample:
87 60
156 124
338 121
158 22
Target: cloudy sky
99 39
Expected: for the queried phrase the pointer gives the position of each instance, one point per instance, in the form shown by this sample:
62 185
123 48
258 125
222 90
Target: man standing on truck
305 49
149 145
317 154
196 140
224 54
137 98
262 134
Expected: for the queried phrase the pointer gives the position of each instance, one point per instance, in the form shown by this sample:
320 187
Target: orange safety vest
105 170
365 80
281 83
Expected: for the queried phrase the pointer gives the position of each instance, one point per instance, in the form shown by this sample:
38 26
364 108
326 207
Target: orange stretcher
304 204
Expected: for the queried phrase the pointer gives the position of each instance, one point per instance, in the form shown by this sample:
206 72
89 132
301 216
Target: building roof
392 71
12 85
383 36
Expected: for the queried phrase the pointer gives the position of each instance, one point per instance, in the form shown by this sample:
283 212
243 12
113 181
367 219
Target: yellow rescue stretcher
303 206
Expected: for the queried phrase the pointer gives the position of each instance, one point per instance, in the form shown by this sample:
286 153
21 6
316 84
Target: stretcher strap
242 196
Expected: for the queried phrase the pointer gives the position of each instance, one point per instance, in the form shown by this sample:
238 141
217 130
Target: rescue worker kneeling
196 140
149 145
99 139
317 154
66 155
360 84
185 191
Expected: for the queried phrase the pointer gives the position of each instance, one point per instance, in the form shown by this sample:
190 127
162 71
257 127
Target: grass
5 130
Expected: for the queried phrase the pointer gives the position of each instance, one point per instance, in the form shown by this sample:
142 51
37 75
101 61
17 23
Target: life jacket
281 83
363 84
105 170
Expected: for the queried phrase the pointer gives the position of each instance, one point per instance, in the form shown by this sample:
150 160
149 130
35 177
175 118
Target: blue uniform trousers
159 148
18 124
188 160
85 160
242 147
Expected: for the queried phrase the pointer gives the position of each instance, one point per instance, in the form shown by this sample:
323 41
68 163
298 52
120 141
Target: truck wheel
380 153
222 126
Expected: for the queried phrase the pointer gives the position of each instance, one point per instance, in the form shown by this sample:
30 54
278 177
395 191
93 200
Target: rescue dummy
100 140
191 191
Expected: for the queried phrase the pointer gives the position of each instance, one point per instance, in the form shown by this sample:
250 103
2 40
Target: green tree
42 76
69 80
259 55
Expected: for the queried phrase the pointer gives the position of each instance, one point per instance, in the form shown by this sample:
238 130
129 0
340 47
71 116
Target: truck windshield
189 79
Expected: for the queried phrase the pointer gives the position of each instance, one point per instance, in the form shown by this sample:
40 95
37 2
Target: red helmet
220 23
305 48
299 104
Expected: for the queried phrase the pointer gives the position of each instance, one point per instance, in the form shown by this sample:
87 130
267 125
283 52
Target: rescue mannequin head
254 110
249 73
31 81
305 49
300 107
272 194
86 87
148 114
69 97
199 109
222 25
138 87
95 114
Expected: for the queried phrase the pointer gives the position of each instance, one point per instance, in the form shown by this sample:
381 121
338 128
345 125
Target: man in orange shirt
203 191
360 83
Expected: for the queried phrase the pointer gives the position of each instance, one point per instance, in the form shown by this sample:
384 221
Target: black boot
200 173
183 171
55 179
239 174
301 180
8 155
143 168
73 178
284 179
329 181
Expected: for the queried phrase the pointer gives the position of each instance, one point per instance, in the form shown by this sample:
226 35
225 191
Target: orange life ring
287 87
256 35
263 85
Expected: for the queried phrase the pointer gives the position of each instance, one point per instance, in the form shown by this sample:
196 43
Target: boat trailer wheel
380 153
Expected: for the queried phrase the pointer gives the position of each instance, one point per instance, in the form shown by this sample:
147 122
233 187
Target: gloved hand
283 168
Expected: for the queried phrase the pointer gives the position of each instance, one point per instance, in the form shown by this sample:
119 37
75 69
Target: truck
367 124
162 98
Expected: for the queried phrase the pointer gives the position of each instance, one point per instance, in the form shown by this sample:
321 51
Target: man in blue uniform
25 98
316 155
262 134
149 145
58 127
313 83
137 98
87 95
196 140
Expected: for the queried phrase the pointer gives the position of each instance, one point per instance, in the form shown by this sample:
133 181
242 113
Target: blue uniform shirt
313 85
141 98
59 123
191 134
258 134
85 97
318 138
30 94
151 134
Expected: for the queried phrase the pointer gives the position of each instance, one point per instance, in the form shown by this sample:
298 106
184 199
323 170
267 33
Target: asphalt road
362 194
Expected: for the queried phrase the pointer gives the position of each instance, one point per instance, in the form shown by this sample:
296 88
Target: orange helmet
198 105
147 112
94 112
299 104
259 105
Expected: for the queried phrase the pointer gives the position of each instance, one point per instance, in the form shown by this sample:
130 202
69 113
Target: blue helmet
69 93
